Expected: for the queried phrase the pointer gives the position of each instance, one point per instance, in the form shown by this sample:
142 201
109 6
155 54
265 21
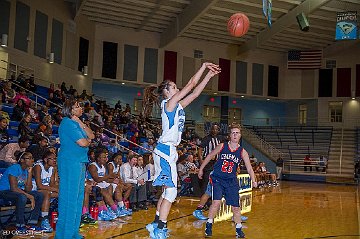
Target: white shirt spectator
127 173
182 169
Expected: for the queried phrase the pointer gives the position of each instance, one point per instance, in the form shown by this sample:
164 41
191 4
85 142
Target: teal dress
71 167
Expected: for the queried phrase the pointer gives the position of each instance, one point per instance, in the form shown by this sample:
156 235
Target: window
335 111
302 114
234 115
138 105
211 113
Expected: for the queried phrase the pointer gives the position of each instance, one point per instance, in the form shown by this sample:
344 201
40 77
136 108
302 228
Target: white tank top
116 168
101 173
172 124
45 176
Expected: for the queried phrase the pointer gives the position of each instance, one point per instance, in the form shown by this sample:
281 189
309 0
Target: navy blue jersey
227 163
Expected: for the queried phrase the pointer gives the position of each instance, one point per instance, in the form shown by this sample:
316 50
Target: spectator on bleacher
51 90
193 171
4 136
149 145
141 172
135 139
279 167
24 127
31 82
21 95
322 161
269 177
15 186
8 93
128 175
18 111
184 176
149 167
127 109
4 114
307 163
7 157
57 116
71 90
113 147
118 105
44 182
34 113
39 149
43 112
63 88
21 78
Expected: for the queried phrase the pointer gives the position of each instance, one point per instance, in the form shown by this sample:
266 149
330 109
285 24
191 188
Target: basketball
238 25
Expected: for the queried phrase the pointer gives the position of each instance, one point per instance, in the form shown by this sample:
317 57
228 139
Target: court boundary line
142 228
333 236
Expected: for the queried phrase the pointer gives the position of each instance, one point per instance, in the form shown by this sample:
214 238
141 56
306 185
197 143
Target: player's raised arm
191 84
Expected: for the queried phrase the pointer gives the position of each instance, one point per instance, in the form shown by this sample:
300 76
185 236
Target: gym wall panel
257 79
224 76
83 53
343 79
109 60
170 65
150 65
57 40
131 54
325 82
40 34
273 81
241 77
4 17
22 22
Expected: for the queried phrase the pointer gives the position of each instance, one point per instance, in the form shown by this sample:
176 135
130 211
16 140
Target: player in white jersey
44 182
165 155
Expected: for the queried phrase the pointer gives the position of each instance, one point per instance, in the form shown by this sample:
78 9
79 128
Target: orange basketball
238 25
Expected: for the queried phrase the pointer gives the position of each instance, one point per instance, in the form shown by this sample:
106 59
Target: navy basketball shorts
227 188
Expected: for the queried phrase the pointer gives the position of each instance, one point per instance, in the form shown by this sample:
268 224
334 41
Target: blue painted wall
254 111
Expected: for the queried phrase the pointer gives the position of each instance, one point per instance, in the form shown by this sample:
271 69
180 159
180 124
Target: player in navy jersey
224 181
165 154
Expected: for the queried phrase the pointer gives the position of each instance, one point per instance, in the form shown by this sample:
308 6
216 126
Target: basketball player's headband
21 155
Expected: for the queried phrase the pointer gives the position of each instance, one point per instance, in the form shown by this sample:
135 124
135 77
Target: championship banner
346 25
269 12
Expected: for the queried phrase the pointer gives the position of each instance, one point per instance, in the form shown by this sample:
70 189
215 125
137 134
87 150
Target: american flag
304 59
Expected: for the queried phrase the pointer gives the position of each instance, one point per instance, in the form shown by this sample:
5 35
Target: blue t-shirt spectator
16 171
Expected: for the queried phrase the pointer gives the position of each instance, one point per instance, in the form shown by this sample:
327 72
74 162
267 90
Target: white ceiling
207 20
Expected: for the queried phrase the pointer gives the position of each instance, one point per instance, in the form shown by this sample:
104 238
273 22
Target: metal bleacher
296 142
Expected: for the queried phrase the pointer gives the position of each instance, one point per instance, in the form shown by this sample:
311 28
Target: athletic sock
162 224
200 207
238 225
44 214
121 204
114 207
85 210
210 220
157 217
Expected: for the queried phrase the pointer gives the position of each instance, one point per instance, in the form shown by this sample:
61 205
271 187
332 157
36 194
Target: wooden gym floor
292 210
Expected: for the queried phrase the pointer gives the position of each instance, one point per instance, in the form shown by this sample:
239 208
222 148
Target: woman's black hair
99 151
19 154
47 154
115 155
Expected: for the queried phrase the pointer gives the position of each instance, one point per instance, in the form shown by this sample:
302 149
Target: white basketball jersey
101 173
45 176
172 124
116 168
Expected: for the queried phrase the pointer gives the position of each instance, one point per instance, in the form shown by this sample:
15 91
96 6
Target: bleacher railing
272 152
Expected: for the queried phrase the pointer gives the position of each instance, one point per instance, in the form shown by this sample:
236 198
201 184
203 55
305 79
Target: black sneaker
208 229
87 219
239 233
